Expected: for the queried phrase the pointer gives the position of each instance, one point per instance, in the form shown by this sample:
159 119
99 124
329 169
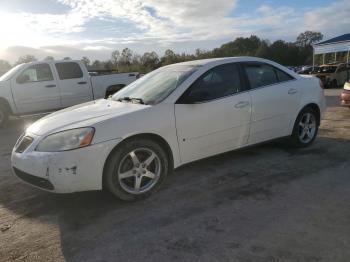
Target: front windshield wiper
132 100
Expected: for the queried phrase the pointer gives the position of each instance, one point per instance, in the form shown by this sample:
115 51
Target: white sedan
172 116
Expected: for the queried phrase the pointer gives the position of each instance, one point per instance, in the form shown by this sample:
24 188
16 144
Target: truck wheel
4 116
136 169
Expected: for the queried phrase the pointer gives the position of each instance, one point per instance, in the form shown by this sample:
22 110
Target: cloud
331 20
144 25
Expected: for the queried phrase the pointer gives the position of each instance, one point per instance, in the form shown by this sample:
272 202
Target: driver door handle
242 104
50 86
82 83
292 91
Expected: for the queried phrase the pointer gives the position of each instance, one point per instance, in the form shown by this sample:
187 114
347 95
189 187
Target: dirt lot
266 203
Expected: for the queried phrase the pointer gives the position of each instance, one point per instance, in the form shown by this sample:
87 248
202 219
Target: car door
74 85
35 90
213 115
275 100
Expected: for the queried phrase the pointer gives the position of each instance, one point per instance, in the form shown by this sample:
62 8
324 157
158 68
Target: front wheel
305 128
136 169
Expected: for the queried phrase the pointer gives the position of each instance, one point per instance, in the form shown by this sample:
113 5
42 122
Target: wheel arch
4 102
151 136
315 108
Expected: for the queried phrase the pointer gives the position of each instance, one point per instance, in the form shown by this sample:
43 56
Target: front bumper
345 98
63 172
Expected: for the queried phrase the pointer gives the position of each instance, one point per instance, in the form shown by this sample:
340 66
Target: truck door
35 90
74 84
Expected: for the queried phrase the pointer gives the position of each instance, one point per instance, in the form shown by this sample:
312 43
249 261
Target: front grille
34 180
24 144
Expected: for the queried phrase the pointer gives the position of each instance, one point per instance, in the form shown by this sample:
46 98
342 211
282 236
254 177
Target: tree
85 60
115 57
263 50
49 58
308 38
67 58
4 66
169 57
126 56
97 65
26 59
108 65
150 60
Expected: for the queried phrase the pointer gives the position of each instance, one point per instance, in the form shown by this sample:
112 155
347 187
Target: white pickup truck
43 87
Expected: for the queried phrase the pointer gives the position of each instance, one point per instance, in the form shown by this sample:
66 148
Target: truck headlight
67 140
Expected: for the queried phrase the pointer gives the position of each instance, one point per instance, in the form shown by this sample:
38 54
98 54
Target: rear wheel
136 169
305 128
4 115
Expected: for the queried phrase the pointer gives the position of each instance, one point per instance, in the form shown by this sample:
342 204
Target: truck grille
23 144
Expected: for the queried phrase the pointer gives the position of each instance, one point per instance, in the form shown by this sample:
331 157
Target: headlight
67 140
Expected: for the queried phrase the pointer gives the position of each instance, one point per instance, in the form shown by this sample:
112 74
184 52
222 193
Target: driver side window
35 73
217 83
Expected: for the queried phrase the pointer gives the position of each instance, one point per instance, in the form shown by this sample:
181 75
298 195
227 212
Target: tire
4 116
303 126
132 174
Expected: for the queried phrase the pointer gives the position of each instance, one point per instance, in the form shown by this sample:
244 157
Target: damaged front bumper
63 172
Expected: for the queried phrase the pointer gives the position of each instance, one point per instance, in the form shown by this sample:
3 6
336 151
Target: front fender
6 96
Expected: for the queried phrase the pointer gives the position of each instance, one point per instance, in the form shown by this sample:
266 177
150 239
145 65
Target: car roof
204 62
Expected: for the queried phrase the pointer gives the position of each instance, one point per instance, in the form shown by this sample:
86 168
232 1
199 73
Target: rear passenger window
282 76
69 70
260 75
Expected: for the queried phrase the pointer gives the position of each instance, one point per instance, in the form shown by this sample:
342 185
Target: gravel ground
265 203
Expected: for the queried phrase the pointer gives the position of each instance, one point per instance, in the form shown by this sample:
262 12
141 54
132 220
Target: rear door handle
242 104
292 91
50 86
82 83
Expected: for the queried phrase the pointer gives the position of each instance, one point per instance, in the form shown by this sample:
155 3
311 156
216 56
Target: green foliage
25 59
85 60
308 38
286 53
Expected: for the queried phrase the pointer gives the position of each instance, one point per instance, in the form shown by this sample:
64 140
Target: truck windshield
157 85
9 73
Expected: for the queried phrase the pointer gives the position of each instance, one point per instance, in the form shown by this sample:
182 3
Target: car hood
82 115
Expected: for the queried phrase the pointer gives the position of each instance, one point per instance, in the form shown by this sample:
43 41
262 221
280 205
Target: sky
94 28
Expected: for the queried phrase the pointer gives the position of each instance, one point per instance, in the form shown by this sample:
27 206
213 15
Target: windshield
327 69
9 73
157 85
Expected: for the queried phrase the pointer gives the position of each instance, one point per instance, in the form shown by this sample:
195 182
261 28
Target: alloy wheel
307 128
139 171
